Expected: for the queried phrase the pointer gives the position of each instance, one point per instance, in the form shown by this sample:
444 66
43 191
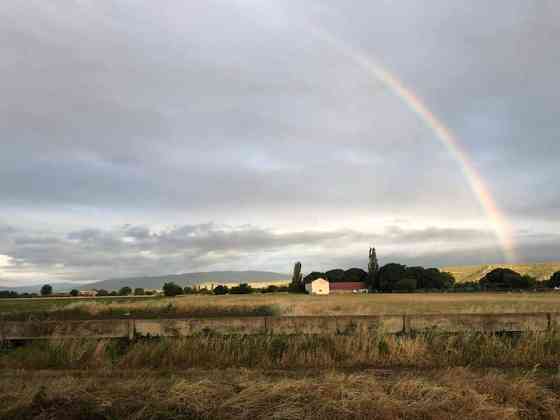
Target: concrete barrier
191 327
329 325
489 323
117 328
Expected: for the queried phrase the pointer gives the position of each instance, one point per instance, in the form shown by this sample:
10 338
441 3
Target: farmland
356 376
278 304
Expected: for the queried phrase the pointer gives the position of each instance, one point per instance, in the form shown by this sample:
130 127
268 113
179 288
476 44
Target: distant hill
541 271
57 287
190 279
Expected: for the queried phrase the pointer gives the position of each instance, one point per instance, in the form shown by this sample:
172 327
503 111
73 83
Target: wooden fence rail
389 324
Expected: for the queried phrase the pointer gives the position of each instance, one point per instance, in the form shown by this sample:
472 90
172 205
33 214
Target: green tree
46 290
139 291
221 290
242 289
102 292
504 279
335 276
314 275
356 275
407 284
554 280
435 279
125 291
188 290
389 275
74 292
171 289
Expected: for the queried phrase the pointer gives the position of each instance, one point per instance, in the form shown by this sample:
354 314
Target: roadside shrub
74 292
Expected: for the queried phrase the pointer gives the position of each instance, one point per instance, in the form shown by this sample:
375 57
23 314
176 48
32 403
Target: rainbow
494 215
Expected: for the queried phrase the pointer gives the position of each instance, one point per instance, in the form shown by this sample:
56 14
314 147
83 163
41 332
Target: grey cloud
234 111
132 250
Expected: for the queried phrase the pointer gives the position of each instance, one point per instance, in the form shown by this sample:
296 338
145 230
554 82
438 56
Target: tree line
391 277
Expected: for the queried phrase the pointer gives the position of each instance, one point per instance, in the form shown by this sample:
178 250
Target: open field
258 394
371 350
279 304
540 271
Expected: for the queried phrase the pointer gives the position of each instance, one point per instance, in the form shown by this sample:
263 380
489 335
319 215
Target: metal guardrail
388 324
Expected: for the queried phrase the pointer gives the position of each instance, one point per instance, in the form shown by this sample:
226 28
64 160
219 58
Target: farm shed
318 286
347 286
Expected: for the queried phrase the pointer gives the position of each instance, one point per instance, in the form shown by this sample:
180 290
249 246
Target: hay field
281 304
256 394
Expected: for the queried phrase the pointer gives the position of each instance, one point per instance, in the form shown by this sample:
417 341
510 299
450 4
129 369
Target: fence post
404 324
131 328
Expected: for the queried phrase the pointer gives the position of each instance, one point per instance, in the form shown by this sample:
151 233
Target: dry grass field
364 376
286 395
281 304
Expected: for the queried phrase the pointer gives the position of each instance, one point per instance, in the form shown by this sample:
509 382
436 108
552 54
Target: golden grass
289 352
294 304
256 394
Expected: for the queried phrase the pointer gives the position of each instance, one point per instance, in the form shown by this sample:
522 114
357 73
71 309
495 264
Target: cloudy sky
141 137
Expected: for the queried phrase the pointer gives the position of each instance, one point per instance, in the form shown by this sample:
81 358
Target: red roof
348 285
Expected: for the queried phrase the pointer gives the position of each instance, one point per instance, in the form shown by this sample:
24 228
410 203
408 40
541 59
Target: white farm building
318 287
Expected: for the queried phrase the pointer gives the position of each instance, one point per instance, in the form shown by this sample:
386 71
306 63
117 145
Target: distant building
318 286
90 293
348 287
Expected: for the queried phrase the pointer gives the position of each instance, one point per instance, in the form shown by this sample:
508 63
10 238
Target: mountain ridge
156 282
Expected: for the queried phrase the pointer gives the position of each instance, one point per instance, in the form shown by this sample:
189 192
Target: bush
102 292
74 292
242 289
46 290
188 290
125 291
8 294
171 289
221 290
